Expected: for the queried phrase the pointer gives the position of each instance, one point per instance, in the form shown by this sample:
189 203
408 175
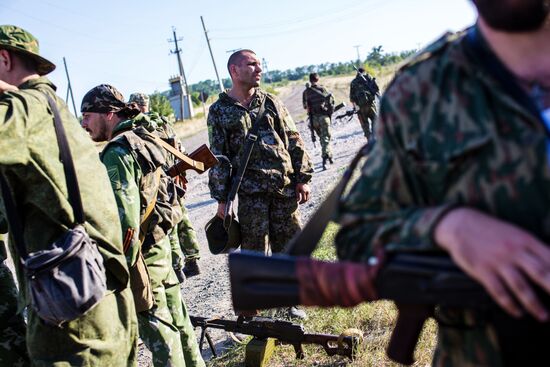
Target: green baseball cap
18 39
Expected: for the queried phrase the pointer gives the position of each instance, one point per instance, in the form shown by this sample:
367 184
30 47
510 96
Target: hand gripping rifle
284 332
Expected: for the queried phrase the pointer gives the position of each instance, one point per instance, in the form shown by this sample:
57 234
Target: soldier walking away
183 238
462 166
148 207
276 178
362 93
34 177
319 103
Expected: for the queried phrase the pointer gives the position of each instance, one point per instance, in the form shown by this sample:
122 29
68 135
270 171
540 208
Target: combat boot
191 268
180 274
324 163
330 160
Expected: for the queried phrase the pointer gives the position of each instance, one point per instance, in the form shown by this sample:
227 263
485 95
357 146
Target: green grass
376 321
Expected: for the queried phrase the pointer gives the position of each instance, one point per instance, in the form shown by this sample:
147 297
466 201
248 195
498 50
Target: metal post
212 55
69 88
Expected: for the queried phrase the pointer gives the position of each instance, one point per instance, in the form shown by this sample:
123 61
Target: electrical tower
266 71
358 56
212 55
185 95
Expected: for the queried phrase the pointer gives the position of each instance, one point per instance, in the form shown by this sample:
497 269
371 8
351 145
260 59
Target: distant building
178 98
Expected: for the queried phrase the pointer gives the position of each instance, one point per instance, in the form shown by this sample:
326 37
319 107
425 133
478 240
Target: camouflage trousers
105 336
184 242
166 329
13 350
267 220
321 125
367 115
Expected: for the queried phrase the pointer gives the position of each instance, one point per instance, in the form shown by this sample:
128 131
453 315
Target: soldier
362 93
320 106
107 334
183 238
134 164
276 178
462 166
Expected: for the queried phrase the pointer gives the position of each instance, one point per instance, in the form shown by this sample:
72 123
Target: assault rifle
348 113
202 154
416 283
284 331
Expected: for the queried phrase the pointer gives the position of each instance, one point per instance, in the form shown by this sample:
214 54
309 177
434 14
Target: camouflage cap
102 99
18 39
141 99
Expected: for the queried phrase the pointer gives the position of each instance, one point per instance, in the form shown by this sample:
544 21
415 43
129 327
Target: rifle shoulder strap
306 241
325 95
251 138
145 221
197 166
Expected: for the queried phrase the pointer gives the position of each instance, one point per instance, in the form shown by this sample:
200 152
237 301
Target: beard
514 15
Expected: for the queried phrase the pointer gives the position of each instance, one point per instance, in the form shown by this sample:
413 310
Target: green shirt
30 162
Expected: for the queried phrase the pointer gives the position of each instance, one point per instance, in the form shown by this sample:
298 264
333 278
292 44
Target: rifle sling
197 166
13 217
306 241
325 95
251 138
146 220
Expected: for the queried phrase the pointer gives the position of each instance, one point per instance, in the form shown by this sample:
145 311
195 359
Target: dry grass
376 320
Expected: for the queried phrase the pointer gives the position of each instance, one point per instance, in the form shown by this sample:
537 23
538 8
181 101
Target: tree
160 104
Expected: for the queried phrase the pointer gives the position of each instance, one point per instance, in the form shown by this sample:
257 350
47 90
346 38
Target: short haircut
314 77
236 58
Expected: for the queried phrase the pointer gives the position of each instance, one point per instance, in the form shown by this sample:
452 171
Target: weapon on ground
349 114
284 332
416 283
201 154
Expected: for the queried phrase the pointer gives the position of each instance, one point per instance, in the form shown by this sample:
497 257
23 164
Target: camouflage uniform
320 111
107 334
363 97
278 162
449 135
13 350
131 161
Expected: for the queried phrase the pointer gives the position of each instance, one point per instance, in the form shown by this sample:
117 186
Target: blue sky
125 43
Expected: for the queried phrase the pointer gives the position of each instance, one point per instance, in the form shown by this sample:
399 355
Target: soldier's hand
221 210
302 193
504 258
5 87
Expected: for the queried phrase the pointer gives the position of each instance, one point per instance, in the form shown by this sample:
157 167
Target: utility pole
358 56
185 95
264 67
212 55
69 88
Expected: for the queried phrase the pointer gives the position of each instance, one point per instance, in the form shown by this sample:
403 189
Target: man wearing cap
148 207
184 238
362 92
33 174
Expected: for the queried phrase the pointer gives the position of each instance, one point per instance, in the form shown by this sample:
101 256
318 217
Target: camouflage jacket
279 159
132 163
318 100
449 134
359 91
35 175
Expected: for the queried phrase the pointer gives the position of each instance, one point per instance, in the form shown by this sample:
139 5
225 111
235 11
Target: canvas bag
68 279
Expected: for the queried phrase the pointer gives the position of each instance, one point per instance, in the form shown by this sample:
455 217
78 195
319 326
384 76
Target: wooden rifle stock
202 154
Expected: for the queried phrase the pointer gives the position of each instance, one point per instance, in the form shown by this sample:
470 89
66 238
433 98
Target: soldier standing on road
106 335
320 105
183 239
134 164
362 93
462 165
276 178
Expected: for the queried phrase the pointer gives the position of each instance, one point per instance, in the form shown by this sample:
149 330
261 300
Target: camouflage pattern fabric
267 220
13 349
448 135
30 163
18 39
104 98
361 95
141 99
131 163
279 159
187 240
321 125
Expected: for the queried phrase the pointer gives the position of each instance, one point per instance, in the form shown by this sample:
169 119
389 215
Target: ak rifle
285 332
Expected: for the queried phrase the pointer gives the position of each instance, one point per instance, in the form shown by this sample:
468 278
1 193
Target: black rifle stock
284 331
416 283
348 113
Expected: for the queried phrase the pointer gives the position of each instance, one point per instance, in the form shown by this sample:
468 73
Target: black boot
324 163
330 160
191 268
